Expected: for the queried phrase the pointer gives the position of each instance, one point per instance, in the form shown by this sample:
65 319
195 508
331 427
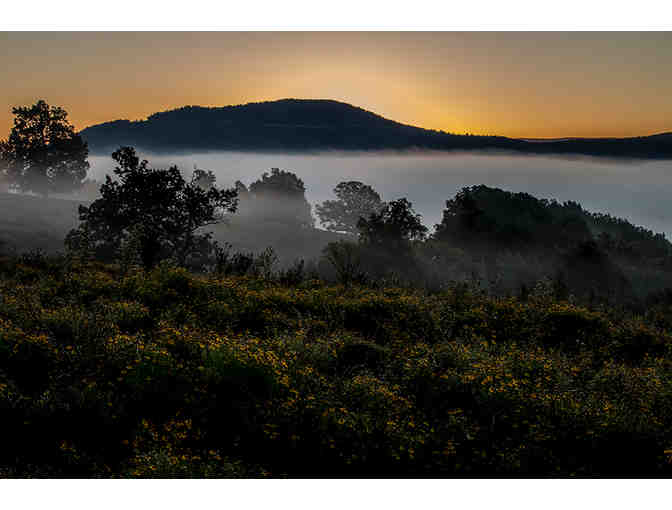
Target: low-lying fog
638 191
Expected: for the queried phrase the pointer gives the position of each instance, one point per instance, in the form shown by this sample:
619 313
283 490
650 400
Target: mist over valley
636 190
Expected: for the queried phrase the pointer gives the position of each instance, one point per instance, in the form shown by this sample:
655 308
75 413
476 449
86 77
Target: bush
165 373
294 275
344 258
362 355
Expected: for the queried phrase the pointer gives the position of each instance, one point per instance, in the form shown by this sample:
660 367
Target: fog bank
637 191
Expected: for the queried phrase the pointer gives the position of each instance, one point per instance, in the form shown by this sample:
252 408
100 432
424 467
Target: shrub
344 258
363 355
294 275
165 373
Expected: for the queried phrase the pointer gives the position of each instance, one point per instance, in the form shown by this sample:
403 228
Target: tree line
151 214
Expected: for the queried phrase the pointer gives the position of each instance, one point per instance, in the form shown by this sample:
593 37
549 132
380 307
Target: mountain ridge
306 125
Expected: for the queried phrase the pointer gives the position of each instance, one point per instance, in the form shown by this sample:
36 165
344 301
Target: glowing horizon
516 84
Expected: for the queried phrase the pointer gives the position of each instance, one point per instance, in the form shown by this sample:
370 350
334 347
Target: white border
334 494
343 15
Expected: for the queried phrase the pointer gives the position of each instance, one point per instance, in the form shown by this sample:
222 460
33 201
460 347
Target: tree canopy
480 215
282 182
281 196
43 154
356 200
204 178
488 216
395 224
159 207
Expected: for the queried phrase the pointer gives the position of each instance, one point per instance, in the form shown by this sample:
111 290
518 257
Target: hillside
299 125
287 125
166 374
111 370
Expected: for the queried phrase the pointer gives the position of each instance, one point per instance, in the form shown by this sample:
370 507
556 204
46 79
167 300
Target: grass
169 374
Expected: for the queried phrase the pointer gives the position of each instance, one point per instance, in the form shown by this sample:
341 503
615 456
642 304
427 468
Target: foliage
620 237
356 200
204 178
163 210
344 258
228 263
494 217
43 153
489 215
264 263
130 371
168 374
294 274
280 195
393 226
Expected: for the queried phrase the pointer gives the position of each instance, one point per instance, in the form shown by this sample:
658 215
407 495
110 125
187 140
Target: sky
517 84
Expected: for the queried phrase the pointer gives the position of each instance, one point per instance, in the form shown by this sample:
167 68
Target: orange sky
519 84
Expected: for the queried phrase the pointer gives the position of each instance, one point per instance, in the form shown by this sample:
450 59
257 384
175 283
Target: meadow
110 371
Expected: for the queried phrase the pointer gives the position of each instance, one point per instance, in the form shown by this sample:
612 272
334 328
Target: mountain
299 125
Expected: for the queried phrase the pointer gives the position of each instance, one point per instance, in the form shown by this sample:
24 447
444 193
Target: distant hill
298 125
287 125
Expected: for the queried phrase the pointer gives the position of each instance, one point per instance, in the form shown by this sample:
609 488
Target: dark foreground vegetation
164 373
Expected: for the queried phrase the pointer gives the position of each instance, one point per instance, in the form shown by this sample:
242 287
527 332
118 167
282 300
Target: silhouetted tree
279 181
43 154
356 200
572 231
394 225
345 258
280 195
491 217
460 218
589 268
204 178
241 188
162 210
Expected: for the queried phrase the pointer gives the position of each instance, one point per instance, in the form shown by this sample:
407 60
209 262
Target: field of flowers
105 373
